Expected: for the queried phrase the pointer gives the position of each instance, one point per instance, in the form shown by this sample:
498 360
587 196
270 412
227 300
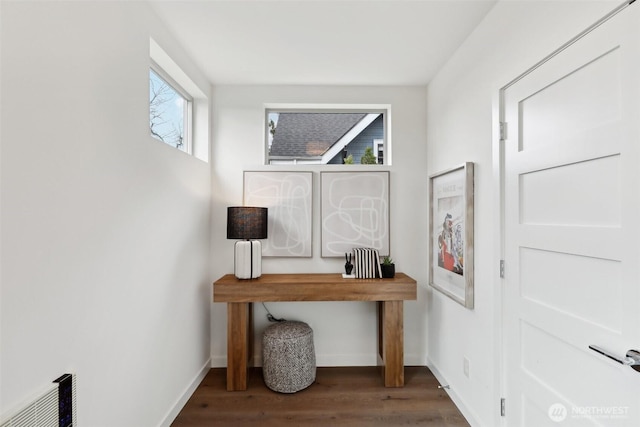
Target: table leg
239 344
391 342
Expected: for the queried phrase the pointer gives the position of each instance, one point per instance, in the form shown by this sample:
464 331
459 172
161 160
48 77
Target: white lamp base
248 259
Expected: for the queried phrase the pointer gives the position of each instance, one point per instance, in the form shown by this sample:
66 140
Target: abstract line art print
354 212
288 195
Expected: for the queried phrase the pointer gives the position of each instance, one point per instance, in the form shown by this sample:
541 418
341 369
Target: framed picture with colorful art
451 233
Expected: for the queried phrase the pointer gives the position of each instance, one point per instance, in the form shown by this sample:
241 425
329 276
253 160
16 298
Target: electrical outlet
465 367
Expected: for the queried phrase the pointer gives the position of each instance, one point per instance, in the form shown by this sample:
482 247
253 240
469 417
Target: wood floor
339 397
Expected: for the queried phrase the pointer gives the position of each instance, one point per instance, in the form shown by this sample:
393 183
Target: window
379 144
327 134
178 104
169 111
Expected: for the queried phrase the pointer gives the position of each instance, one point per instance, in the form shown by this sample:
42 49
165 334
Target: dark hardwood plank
351 396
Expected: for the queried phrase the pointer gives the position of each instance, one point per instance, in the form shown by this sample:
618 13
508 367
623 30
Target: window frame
376 150
193 82
384 109
187 115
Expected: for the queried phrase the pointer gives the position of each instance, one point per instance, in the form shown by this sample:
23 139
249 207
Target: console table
240 294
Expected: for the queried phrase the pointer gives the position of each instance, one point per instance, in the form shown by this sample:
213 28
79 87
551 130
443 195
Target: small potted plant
388 268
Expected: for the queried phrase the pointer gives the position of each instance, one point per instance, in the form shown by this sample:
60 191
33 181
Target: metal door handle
632 358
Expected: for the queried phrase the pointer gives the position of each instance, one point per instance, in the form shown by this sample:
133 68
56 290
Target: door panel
572 214
558 279
563 109
580 180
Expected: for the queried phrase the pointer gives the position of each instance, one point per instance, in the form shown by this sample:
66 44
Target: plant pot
388 270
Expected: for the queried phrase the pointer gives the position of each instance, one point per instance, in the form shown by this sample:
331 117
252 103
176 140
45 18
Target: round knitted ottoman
288 357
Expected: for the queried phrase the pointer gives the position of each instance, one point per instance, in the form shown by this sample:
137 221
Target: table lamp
247 223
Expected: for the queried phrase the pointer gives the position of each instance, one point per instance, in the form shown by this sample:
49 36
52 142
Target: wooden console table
240 294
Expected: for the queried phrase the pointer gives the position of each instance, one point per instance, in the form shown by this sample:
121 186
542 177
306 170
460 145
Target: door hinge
503 131
502 269
502 406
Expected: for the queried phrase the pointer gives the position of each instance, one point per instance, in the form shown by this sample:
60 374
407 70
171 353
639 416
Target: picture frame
354 209
451 214
289 198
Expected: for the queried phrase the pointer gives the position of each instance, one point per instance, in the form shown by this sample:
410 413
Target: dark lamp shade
246 222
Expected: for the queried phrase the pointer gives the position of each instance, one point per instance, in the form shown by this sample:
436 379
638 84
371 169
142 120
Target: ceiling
313 42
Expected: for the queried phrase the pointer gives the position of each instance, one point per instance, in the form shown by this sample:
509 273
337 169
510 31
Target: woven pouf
288 357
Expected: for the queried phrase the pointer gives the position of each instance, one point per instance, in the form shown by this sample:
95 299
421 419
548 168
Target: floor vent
54 407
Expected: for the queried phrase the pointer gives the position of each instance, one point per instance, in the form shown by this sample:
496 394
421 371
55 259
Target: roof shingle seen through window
311 134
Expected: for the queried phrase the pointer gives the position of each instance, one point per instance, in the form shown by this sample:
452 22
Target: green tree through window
368 158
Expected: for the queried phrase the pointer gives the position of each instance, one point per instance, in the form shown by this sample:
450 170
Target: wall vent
55 406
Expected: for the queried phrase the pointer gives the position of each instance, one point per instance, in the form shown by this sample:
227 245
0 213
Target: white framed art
354 212
451 233
288 195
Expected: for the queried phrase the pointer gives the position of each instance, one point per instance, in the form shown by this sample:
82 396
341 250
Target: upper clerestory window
178 106
344 134
170 118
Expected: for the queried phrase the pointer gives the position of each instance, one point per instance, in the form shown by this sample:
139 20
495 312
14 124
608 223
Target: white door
572 232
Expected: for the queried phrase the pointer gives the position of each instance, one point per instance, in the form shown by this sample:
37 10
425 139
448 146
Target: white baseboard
457 400
182 400
218 361
414 360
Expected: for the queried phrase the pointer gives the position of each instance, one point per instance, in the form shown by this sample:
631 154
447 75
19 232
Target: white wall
462 123
344 332
105 231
